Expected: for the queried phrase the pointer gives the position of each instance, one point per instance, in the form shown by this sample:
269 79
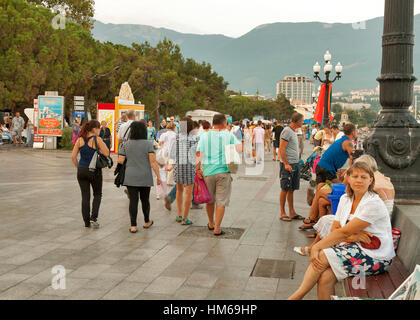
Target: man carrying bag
211 151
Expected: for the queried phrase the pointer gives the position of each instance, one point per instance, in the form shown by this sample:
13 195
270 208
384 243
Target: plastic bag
233 159
201 193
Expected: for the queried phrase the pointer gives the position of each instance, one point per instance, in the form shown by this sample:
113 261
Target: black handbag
102 161
120 173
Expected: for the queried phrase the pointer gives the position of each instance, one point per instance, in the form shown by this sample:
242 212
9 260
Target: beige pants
220 188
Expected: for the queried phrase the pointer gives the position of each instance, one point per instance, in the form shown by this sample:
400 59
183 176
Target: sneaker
94 224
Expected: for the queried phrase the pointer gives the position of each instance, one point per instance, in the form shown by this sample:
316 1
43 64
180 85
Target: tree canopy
35 57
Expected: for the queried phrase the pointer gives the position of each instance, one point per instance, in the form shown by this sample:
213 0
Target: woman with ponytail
85 176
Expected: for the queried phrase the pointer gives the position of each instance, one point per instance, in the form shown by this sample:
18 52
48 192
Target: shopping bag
160 158
201 193
233 159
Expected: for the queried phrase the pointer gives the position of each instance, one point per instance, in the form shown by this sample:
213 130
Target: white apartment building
296 88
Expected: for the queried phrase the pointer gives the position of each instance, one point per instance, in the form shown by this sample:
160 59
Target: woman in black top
87 178
105 134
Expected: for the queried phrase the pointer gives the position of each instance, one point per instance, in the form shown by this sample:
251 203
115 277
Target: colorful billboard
50 115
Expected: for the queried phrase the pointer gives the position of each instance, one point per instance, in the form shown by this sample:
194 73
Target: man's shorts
323 175
17 132
290 181
220 187
276 144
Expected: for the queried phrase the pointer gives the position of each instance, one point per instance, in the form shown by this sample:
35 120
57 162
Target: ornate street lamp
327 70
395 140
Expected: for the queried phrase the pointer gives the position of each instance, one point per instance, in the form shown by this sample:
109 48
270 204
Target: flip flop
133 231
148 226
306 227
209 227
298 217
308 221
219 234
299 250
285 218
178 219
311 236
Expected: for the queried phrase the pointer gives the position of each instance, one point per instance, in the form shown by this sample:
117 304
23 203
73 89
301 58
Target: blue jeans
172 195
9 135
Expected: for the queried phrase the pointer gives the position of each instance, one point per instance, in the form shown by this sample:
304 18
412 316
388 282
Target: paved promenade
41 227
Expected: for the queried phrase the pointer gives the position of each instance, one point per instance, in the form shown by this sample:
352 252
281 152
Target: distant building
306 110
355 106
344 119
296 88
251 96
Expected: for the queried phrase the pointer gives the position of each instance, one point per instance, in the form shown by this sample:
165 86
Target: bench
380 286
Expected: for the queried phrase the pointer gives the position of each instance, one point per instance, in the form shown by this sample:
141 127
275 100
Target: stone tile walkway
41 227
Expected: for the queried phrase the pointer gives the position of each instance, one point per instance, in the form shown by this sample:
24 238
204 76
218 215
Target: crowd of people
358 237
14 128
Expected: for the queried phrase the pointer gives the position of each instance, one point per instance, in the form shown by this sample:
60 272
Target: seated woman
361 214
321 205
383 187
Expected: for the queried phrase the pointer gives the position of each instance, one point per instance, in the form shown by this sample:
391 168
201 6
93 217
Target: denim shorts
290 181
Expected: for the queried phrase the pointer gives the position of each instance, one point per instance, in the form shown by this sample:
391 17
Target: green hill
266 54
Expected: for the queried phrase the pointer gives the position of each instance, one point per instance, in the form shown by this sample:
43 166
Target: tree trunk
157 115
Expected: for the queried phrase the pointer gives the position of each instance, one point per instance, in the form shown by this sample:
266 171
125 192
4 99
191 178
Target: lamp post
395 139
327 70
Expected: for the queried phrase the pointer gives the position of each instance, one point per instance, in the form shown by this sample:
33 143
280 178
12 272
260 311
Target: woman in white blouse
362 219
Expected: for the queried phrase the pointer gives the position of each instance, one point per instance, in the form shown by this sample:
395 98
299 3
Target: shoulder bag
99 160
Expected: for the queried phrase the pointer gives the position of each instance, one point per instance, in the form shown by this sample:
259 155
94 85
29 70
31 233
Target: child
161 189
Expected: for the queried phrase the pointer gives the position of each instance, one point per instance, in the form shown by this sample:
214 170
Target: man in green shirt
211 152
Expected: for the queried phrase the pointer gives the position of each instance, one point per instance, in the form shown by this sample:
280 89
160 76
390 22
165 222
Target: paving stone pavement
41 227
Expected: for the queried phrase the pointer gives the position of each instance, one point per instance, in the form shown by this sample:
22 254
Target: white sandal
299 250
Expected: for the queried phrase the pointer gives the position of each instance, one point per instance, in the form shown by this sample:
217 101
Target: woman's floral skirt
348 260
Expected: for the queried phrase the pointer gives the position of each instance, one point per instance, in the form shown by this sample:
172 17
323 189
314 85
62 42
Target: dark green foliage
65 142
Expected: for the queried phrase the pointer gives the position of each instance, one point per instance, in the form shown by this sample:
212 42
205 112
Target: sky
234 18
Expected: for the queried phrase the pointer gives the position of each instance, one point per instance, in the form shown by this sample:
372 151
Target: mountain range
260 58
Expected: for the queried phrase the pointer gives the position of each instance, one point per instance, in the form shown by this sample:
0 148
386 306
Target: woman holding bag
183 153
138 179
85 176
360 242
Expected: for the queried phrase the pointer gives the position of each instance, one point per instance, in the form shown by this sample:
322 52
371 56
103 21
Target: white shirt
167 138
339 135
372 210
123 129
259 135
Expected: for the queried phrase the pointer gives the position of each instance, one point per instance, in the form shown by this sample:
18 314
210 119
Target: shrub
65 142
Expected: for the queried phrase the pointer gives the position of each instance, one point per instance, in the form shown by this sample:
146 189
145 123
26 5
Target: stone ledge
407 219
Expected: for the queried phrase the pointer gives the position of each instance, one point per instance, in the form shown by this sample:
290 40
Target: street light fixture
327 70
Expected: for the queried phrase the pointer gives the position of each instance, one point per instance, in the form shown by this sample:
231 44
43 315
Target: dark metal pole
327 91
395 140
